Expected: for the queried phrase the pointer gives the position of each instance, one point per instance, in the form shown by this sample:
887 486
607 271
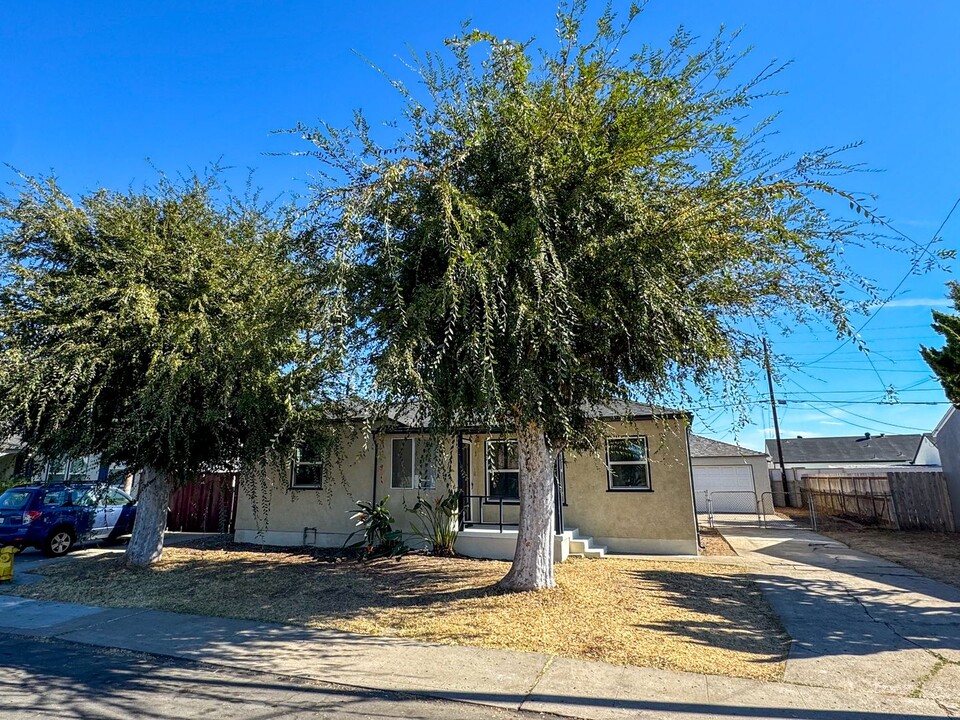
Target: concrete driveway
858 622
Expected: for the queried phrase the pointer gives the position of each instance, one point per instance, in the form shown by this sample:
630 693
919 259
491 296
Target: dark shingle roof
617 409
701 447
897 449
413 416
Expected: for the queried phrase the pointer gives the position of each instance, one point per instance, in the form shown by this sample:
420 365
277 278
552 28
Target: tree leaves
544 237
163 328
945 362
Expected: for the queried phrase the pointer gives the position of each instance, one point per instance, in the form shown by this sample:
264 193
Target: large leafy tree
164 329
945 362
546 232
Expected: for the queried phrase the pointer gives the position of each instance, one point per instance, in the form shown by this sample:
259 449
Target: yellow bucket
6 562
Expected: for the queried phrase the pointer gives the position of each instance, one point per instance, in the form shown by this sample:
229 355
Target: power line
839 404
854 367
913 267
911 389
863 427
857 415
881 340
907 352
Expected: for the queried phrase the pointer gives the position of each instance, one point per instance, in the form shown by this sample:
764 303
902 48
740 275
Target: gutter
478 430
373 435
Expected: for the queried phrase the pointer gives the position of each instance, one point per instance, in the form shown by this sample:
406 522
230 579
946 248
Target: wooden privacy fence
901 500
864 498
921 501
208 504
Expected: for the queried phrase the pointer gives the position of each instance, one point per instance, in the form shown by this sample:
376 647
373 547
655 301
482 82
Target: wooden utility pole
776 421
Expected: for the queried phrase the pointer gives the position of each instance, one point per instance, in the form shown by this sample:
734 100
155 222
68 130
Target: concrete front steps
583 546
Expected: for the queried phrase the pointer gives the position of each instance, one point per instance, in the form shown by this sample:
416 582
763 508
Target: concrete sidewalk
524 681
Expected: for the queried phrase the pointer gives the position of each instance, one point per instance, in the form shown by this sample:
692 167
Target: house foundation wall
492 545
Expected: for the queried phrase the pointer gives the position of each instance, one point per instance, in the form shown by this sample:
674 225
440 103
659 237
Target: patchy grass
714 543
680 616
936 555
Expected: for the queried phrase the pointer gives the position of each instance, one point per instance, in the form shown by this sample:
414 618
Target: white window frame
468 449
296 463
645 462
488 471
416 479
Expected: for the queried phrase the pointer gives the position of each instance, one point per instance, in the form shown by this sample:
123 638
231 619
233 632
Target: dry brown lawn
714 543
936 555
680 616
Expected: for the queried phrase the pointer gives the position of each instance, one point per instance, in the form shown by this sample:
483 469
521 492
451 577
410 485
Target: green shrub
437 522
379 536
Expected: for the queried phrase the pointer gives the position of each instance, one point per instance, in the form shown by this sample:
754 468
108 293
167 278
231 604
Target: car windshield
14 499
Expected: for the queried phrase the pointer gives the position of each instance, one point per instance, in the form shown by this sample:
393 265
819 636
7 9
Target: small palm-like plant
436 522
379 535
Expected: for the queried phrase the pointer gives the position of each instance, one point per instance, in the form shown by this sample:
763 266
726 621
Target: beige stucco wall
657 521
286 513
280 515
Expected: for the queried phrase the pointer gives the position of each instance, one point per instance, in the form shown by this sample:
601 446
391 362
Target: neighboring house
947 437
16 464
632 494
736 478
10 450
855 451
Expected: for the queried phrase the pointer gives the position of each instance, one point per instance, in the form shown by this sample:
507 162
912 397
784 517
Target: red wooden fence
205 505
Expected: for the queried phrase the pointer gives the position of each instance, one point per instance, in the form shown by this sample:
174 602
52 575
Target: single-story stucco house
736 478
631 494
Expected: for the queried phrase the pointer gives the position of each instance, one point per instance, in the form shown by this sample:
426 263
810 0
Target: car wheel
59 542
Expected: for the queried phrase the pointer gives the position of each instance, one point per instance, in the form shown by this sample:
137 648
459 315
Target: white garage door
731 483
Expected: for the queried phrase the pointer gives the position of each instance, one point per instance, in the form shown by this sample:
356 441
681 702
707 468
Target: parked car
54 518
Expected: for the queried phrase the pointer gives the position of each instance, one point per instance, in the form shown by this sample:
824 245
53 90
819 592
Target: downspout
461 490
693 491
373 434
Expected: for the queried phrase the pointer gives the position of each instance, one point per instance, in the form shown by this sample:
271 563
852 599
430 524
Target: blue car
54 518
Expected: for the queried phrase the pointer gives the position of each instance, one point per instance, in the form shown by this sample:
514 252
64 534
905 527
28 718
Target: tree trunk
146 543
533 563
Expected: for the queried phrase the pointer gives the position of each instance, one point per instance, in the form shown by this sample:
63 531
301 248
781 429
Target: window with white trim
413 464
503 469
628 465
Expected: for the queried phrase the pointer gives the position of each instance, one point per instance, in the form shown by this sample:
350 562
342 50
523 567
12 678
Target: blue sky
92 90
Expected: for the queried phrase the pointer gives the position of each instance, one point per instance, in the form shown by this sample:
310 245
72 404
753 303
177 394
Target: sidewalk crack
538 678
917 691
942 660
101 623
